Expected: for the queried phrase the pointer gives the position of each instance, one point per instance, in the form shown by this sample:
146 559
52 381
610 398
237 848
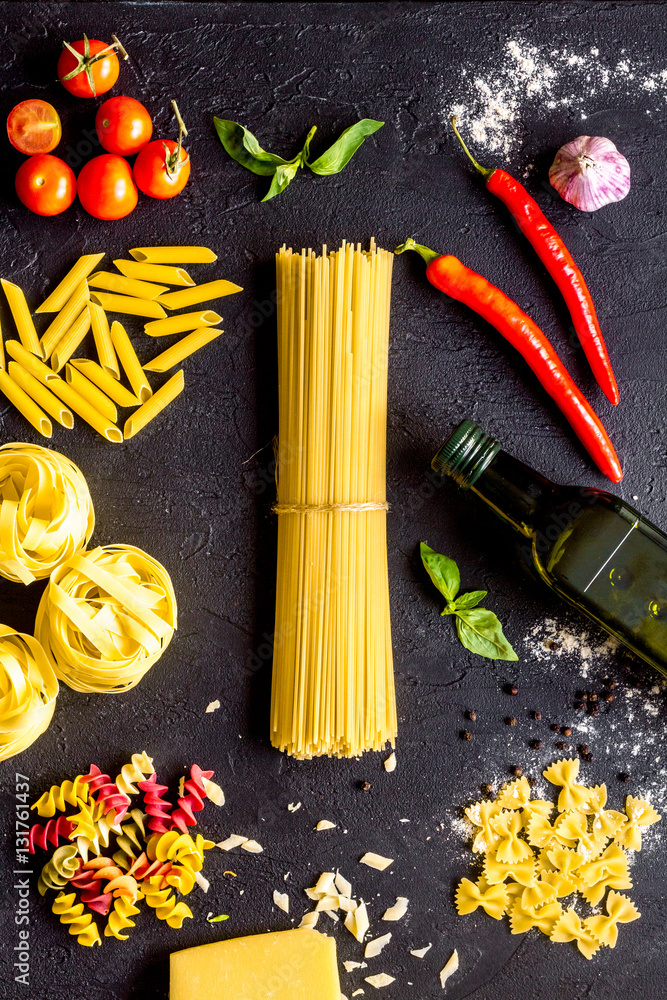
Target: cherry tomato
34 127
123 125
162 172
89 68
106 188
45 184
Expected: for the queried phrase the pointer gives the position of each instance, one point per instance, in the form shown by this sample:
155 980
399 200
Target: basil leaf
216 920
444 572
480 631
243 147
285 173
339 155
469 600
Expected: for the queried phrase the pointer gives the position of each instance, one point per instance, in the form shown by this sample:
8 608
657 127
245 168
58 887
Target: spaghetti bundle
333 684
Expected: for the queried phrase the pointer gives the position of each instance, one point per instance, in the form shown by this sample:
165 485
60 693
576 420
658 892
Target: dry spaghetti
333 685
106 617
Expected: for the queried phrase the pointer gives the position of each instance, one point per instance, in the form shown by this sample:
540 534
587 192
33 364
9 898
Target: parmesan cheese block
285 965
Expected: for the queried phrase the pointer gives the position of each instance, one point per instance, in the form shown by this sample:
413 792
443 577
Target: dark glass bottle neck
514 491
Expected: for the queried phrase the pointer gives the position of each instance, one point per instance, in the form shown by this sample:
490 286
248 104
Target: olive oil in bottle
590 547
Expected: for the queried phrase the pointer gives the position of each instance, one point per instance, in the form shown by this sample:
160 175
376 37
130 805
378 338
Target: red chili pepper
458 281
559 263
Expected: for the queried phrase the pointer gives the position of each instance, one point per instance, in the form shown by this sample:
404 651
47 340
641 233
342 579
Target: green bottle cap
466 454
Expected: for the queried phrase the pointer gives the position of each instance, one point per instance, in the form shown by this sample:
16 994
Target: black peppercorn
611 685
472 716
466 735
587 757
561 745
536 744
623 776
487 789
518 771
566 731
365 786
537 716
583 748
532 782
510 721
583 695
594 710
578 704
556 727
609 697
513 689
593 697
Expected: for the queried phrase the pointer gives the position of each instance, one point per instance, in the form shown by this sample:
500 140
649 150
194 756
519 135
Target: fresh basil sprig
478 629
243 147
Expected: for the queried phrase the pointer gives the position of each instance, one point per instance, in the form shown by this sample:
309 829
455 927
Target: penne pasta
126 286
154 272
149 410
179 324
87 411
183 349
105 352
200 293
128 305
105 382
127 356
174 255
61 324
42 396
99 400
28 361
25 405
68 344
64 291
22 318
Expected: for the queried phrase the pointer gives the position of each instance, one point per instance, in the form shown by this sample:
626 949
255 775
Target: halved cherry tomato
106 188
33 126
123 125
161 170
90 67
45 184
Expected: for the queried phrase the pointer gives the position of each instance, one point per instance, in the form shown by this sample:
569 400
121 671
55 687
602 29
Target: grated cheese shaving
325 824
420 952
451 967
234 841
376 861
390 763
252 847
281 900
398 910
344 887
213 706
382 979
374 947
202 882
309 919
357 993
351 966
213 792
292 807
361 922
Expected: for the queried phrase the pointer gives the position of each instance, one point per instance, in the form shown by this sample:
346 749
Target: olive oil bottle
590 547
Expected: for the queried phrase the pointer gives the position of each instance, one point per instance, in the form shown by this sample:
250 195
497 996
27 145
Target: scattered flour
530 81
548 642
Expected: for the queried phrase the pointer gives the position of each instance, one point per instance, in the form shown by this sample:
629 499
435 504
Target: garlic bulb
589 172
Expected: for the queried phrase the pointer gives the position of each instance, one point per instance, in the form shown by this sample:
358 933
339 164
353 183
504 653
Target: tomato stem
173 159
484 171
85 62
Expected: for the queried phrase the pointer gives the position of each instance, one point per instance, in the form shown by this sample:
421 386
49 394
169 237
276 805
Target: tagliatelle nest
106 617
46 514
28 689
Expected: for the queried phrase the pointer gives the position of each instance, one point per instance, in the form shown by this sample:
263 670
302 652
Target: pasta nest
28 690
106 617
46 513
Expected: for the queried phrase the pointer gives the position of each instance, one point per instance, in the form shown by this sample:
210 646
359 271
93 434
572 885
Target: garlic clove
589 172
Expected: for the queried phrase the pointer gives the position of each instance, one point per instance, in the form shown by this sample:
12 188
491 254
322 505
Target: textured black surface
195 491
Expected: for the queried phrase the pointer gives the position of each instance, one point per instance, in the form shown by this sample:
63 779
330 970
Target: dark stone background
195 491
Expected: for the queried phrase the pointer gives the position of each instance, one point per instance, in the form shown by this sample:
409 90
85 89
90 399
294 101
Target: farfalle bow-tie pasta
582 851
106 617
46 514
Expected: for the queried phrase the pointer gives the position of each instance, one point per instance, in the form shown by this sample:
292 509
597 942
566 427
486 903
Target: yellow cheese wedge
285 965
